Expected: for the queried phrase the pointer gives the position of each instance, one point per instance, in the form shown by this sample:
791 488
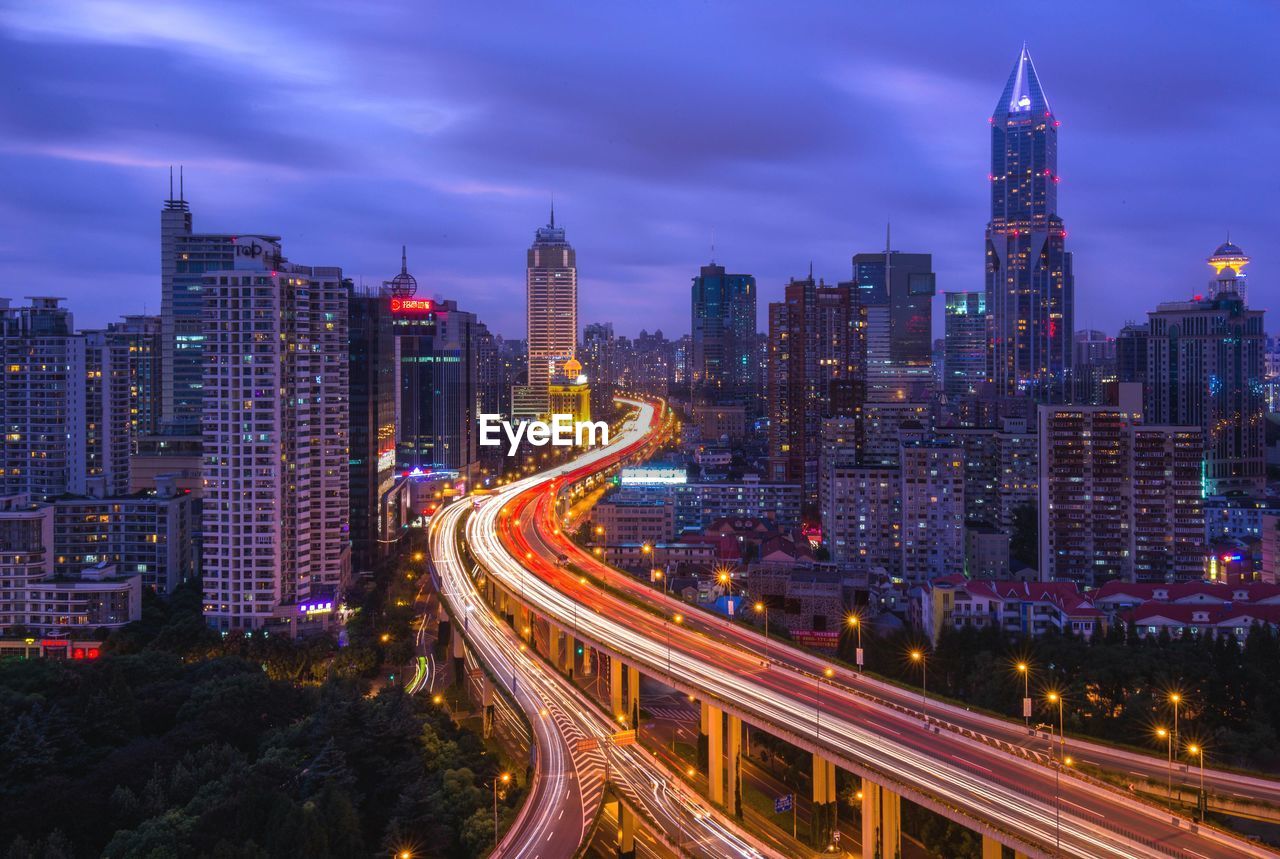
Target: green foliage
1116 685
216 758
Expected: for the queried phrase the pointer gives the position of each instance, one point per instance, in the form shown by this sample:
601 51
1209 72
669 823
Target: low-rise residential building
1013 607
147 533
634 520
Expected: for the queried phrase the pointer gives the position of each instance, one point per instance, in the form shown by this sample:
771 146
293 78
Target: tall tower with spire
551 287
1030 290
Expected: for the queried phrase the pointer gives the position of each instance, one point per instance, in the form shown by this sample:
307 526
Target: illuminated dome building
1228 263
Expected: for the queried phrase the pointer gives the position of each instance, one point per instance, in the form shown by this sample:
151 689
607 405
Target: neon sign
412 305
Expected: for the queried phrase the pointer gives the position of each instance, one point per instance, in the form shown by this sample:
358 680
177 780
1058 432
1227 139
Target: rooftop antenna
404 260
713 245
170 181
181 193
553 212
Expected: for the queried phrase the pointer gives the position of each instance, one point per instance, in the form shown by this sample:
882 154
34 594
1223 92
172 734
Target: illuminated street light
856 623
919 656
1167 736
762 607
1025 670
505 778
1198 751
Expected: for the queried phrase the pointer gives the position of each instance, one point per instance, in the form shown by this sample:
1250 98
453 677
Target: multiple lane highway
517 538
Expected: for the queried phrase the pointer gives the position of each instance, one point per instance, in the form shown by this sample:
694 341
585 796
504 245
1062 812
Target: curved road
943 770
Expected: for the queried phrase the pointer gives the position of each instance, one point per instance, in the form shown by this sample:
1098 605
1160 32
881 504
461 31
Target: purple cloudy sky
789 131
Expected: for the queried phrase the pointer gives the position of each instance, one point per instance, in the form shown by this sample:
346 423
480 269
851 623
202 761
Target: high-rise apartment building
722 369
65 398
551 284
1086 464
964 347
895 291
1205 368
1168 506
1119 499
185 257
275 439
932 503
140 336
814 372
1030 287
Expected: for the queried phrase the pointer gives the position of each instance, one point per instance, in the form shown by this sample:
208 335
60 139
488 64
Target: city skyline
833 151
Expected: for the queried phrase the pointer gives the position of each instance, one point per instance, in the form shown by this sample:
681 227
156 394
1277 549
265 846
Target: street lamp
505 778
856 623
1055 698
921 657
1164 734
1175 698
762 607
1198 751
1025 670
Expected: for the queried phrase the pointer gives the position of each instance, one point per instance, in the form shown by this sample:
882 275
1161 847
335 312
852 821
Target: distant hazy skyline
786 133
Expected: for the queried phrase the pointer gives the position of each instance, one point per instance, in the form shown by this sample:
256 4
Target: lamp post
1175 698
1025 670
1164 734
921 657
1198 751
505 778
856 623
1056 698
762 606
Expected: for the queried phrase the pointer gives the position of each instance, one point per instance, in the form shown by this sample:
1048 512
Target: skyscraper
722 369
964 343
814 372
276 502
896 290
185 256
436 349
1030 288
371 349
1205 368
551 284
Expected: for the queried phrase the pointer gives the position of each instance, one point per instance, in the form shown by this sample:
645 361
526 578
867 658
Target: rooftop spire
553 212
404 260
1023 93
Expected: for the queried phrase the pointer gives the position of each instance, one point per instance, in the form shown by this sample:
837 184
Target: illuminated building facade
1228 263
570 394
964 358
551 284
1030 289
276 423
185 257
814 371
895 291
722 367
1206 368
436 348
372 367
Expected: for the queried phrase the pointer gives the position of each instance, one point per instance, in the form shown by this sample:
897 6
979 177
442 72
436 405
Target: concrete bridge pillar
713 718
992 849
624 692
733 776
554 645
626 832
823 820
881 822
